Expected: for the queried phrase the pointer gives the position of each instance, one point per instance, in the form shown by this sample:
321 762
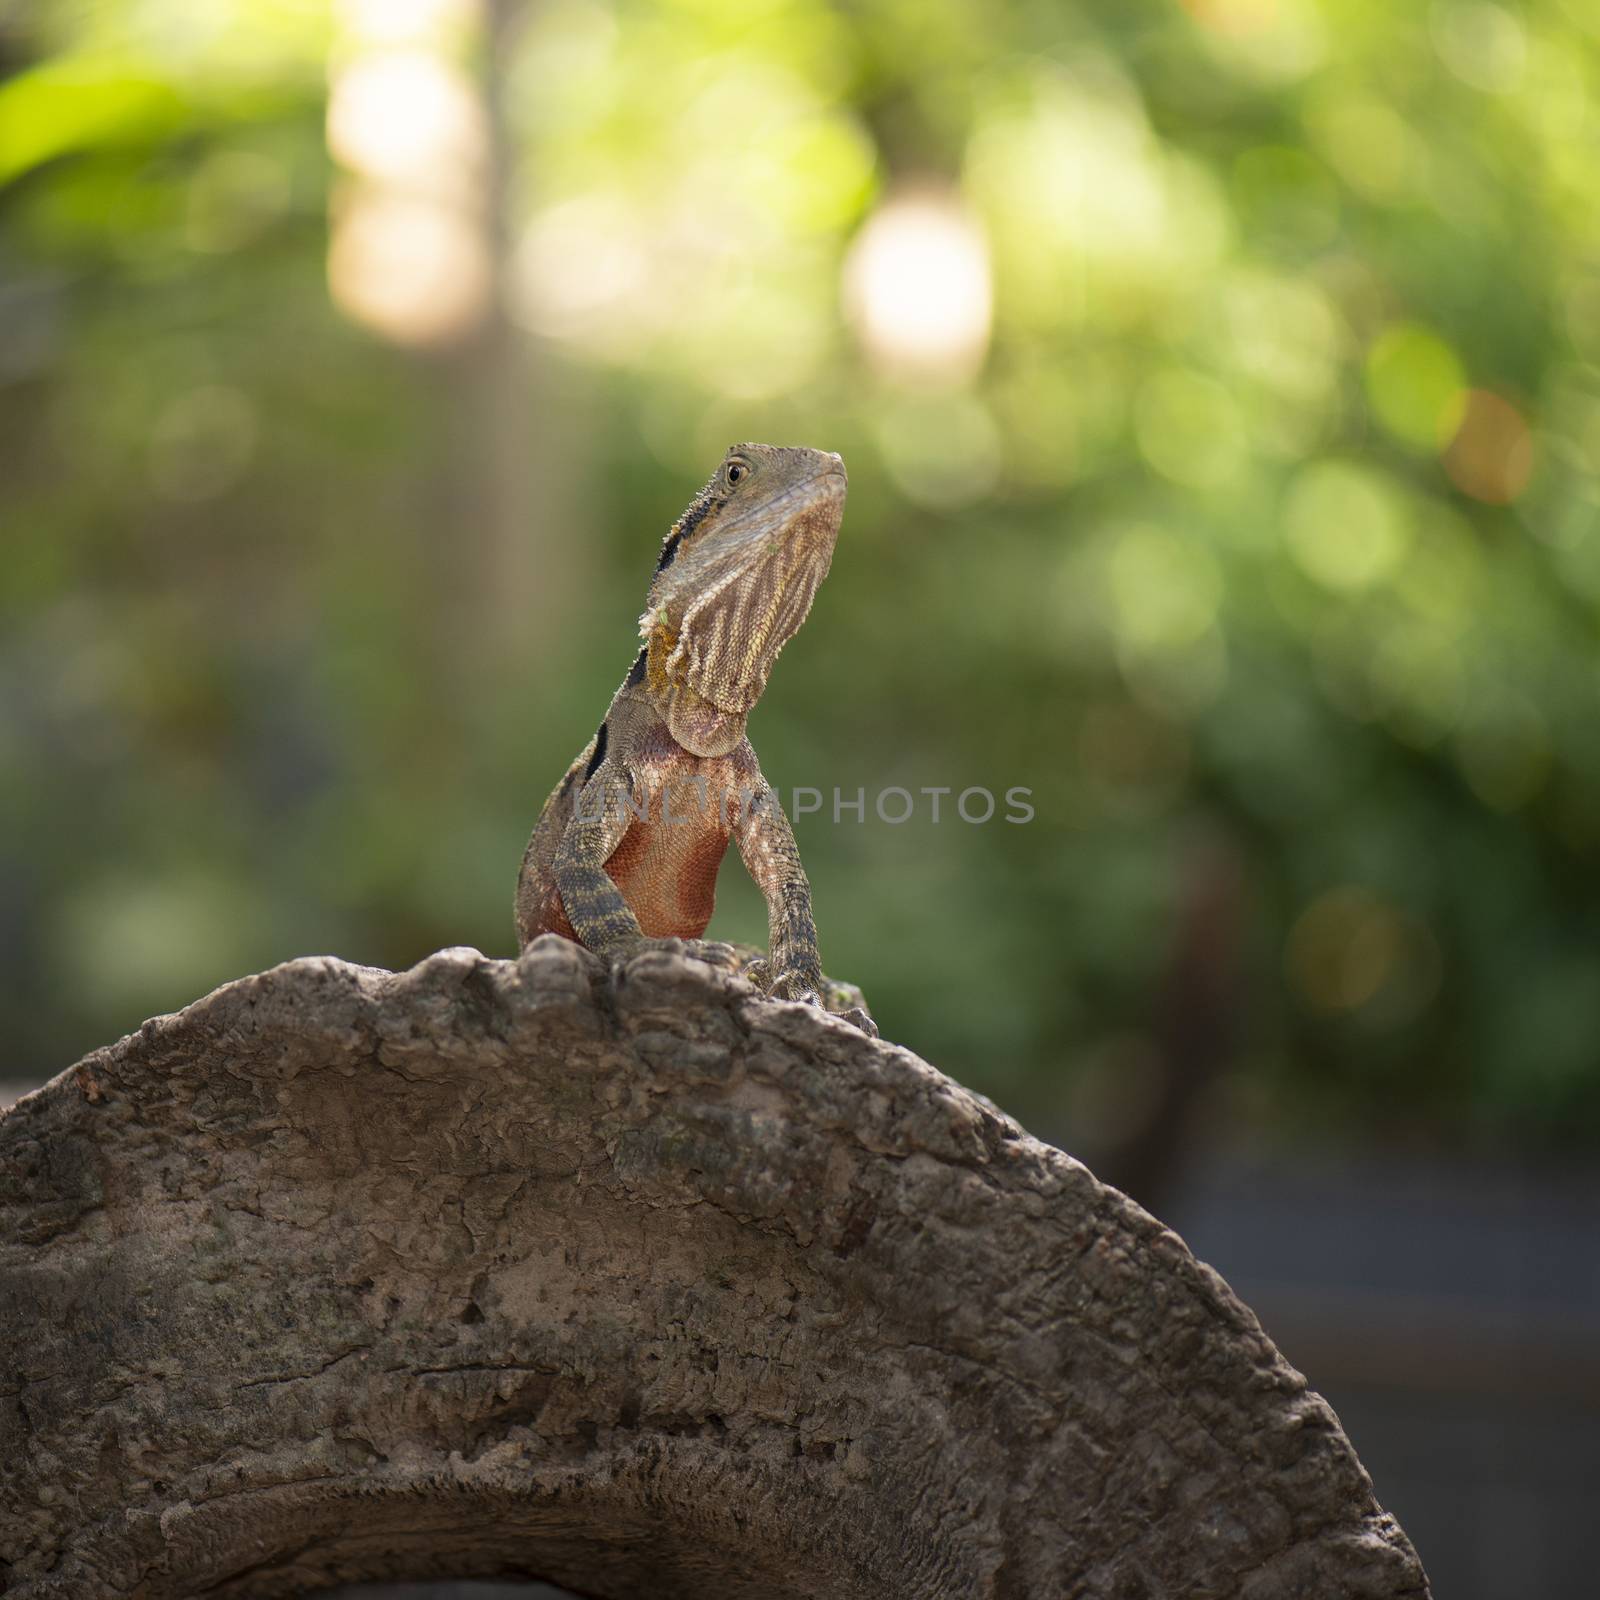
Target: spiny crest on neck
709 499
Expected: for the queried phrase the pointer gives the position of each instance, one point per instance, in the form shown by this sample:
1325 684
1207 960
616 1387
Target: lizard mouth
826 485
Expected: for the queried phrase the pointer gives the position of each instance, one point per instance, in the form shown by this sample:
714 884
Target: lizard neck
700 726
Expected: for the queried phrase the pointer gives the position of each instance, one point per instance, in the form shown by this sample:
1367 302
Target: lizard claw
857 1018
798 986
791 985
714 952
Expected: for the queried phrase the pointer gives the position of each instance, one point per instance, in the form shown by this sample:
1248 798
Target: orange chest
666 865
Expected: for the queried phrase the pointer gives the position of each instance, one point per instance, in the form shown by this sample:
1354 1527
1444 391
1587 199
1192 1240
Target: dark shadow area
1451 1316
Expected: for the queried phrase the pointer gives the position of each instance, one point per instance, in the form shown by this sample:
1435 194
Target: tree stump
627 1279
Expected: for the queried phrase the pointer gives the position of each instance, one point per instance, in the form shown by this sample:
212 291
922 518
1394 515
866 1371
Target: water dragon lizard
626 850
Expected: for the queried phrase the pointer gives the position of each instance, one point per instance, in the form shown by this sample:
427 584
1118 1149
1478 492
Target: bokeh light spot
412 270
1491 456
1372 148
1341 949
821 173
395 22
1189 430
407 117
1084 202
1233 16
410 254
1416 385
1484 45
916 288
1166 597
1166 591
1273 41
1345 524
942 452
580 270
1352 950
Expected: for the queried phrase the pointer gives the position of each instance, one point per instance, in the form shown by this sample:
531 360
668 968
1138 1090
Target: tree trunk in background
1198 1014
510 547
630 1280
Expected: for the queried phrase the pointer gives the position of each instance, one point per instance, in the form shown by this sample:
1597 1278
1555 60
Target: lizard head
733 584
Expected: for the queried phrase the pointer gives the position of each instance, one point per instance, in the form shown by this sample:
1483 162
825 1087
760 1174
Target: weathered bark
636 1282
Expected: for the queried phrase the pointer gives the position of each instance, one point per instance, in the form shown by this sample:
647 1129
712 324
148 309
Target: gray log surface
631 1280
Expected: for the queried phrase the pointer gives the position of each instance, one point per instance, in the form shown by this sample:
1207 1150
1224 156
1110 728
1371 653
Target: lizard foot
715 952
712 951
812 989
857 1018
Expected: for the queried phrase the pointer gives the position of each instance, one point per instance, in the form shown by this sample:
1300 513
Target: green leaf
78 103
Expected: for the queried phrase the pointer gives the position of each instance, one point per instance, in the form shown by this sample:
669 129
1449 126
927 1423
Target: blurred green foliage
1267 529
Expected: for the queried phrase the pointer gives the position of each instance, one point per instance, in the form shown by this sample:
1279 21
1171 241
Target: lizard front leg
605 808
793 968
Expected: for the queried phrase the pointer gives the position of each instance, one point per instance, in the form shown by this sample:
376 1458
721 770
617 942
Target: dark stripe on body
600 740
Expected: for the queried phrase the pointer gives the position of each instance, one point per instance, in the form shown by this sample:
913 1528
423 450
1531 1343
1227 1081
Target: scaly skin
626 851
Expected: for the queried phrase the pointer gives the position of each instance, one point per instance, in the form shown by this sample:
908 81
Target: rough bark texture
634 1281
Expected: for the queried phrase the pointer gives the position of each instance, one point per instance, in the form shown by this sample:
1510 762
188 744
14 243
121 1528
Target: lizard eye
737 470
